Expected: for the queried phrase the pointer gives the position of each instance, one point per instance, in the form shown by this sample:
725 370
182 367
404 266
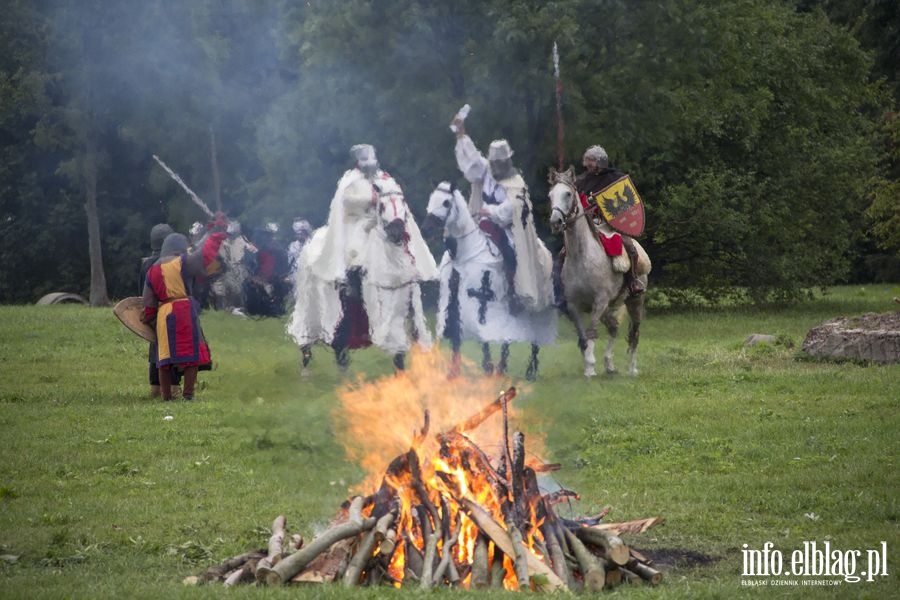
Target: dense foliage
756 130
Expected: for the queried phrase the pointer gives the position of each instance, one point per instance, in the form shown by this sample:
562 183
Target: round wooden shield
129 311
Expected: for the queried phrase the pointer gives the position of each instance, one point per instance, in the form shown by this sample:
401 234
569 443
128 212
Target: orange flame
382 420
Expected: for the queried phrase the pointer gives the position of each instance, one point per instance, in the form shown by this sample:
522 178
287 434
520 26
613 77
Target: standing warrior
158 234
597 177
236 253
173 313
500 197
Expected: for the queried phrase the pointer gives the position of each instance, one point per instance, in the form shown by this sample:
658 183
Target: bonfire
452 499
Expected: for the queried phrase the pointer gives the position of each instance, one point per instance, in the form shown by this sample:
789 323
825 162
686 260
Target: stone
869 338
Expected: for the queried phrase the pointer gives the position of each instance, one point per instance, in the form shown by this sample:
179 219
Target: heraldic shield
621 206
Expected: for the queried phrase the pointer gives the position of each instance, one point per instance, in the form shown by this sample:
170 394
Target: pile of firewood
459 518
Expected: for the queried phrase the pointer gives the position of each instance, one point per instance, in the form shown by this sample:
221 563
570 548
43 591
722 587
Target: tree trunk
98 296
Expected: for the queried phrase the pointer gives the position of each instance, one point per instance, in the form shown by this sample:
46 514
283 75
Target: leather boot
634 285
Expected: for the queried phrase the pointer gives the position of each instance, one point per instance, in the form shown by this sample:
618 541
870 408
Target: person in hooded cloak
172 311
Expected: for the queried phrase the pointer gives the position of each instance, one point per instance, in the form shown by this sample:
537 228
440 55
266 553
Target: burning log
498 569
361 558
501 539
485 413
414 560
480 566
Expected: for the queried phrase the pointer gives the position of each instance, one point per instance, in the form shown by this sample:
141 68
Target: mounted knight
358 277
609 197
500 202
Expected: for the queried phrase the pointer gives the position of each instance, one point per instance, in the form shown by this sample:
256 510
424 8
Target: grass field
102 497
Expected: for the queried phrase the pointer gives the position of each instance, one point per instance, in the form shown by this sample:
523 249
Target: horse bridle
451 206
574 212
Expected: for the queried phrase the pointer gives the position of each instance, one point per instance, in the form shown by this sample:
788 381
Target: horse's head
563 198
392 216
443 208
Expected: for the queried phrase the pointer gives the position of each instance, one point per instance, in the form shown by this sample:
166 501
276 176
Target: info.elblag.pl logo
811 563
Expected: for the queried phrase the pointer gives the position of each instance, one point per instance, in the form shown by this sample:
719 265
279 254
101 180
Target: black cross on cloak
484 294
526 207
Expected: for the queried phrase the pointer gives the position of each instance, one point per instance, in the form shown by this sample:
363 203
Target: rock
870 337
760 338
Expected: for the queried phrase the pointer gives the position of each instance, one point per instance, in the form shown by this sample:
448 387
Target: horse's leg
400 362
453 325
531 372
503 365
341 358
635 306
584 344
487 363
306 357
609 320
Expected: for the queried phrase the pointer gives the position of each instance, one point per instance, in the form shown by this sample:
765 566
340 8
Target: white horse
381 304
589 281
474 301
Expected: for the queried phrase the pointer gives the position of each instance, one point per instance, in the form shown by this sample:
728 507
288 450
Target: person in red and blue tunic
171 310
158 235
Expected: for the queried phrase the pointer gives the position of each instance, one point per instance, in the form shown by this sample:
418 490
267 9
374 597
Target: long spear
560 126
184 186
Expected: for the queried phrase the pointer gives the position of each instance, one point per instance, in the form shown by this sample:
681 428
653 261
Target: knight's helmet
364 157
598 154
500 158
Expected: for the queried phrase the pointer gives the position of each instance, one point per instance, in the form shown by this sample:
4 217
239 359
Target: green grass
102 497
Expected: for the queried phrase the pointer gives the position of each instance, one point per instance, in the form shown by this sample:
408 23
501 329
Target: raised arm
471 162
204 262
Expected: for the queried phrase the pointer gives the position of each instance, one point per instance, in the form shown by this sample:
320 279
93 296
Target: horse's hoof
531 375
611 372
633 372
590 372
